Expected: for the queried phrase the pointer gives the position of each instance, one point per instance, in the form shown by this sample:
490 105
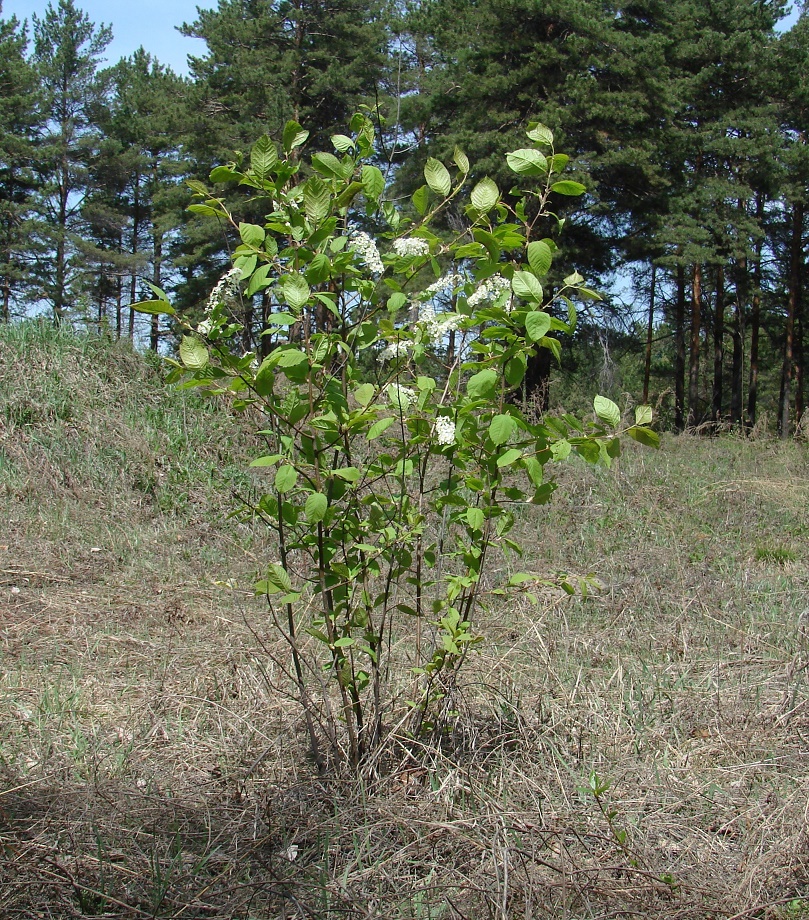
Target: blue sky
150 23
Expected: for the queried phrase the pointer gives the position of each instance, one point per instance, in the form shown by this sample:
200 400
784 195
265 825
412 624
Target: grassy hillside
641 750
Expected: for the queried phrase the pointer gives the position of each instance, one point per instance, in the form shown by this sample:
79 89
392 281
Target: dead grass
643 750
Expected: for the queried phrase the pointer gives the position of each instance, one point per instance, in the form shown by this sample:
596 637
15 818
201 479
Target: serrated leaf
348 474
316 200
515 369
461 160
644 436
294 135
574 279
204 209
509 457
315 508
500 429
539 257
263 157
568 187
277 579
364 393
537 325
328 165
294 290
541 134
437 177
483 384
220 174
643 415
527 162
378 428
285 478
560 450
259 280
485 195
268 460
607 411
553 345
193 352
421 199
526 285
373 182
252 235
290 357
342 143
475 518
153 307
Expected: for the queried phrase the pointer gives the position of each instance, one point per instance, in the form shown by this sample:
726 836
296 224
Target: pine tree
19 115
67 51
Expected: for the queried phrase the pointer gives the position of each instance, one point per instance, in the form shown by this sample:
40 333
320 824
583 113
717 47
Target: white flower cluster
444 430
489 290
394 351
400 397
366 248
410 248
225 288
437 326
445 284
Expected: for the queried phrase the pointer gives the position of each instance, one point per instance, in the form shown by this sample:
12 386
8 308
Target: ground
638 748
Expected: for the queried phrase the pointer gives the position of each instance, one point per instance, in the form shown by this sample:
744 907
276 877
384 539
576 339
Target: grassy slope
150 760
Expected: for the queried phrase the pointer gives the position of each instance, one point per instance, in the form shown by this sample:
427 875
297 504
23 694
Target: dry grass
640 751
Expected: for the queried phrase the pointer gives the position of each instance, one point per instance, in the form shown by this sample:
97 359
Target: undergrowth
638 747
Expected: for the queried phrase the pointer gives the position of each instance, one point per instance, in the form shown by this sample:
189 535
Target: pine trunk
679 348
718 345
693 358
793 300
647 365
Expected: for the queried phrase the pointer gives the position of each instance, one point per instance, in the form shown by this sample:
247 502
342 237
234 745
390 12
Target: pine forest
685 120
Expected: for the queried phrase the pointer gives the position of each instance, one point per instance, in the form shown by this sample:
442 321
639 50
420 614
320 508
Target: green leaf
421 199
269 460
568 187
373 182
461 160
153 307
574 279
527 162
291 357
553 345
507 458
644 436
316 200
560 450
475 518
328 165
485 195
500 429
643 415
294 135
526 285
259 280
285 478
437 177
348 473
482 385
252 235
541 134
342 143
263 157
515 369
193 352
277 579
537 325
378 428
364 393
316 506
607 411
221 174
344 642
539 257
295 290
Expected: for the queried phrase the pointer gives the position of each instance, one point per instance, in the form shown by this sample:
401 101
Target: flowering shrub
396 454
